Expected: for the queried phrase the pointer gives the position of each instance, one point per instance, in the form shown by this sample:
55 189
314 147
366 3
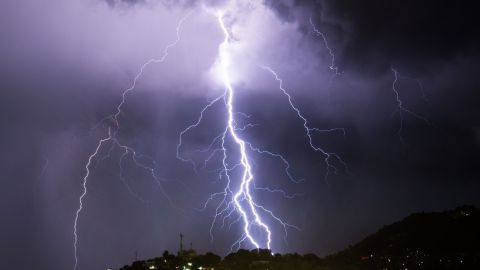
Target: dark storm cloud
435 42
283 10
415 36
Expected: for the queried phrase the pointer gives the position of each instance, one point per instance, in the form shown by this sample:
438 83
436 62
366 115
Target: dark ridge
439 240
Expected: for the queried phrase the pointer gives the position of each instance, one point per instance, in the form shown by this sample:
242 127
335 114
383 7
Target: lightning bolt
84 193
114 142
243 193
328 156
401 108
332 66
237 201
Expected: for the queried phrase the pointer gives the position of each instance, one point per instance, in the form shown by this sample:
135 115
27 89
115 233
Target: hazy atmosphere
389 90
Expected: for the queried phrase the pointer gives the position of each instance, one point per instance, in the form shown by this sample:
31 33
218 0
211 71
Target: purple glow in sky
301 132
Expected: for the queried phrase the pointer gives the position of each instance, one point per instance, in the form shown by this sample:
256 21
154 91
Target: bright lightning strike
243 193
112 139
238 201
250 214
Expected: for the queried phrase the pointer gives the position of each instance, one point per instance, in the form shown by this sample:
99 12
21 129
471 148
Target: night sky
64 66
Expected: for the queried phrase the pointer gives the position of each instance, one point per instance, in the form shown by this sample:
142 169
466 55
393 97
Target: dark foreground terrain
445 240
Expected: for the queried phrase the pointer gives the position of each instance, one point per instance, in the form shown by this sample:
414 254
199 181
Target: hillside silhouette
439 240
445 240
